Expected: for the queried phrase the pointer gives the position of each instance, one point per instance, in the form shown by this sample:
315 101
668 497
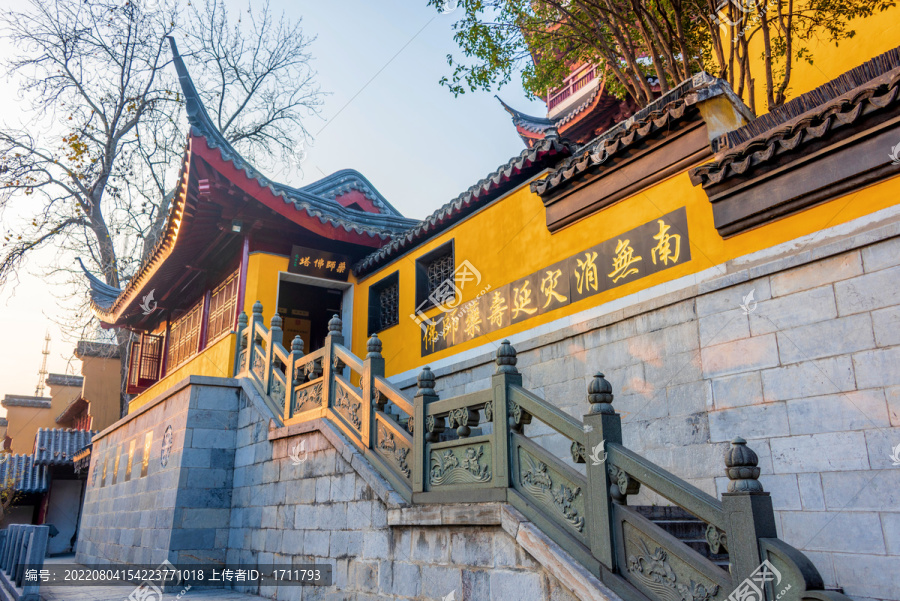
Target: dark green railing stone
474 447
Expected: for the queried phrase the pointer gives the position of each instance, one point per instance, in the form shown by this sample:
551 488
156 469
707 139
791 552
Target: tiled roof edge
879 94
528 162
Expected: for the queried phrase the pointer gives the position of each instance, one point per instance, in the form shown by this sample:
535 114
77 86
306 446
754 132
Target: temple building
651 351
579 110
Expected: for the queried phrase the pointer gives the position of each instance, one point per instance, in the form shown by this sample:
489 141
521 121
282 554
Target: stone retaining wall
179 511
309 497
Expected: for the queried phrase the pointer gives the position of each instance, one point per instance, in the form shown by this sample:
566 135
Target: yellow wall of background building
23 426
262 282
101 389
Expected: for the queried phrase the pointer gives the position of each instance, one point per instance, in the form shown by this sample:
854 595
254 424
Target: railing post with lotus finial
240 344
749 515
497 411
373 366
290 374
276 335
335 336
424 394
602 426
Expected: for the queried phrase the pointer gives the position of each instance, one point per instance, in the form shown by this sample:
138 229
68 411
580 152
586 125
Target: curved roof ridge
524 117
520 168
102 293
315 205
337 183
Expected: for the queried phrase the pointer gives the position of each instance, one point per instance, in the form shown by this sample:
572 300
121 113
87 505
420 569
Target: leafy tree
641 44
87 174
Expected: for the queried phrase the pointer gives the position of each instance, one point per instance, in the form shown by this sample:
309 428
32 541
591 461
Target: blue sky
409 136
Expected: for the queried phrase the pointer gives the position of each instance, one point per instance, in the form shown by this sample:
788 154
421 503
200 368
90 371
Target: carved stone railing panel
308 396
661 566
394 445
258 364
556 489
454 465
278 389
242 361
347 403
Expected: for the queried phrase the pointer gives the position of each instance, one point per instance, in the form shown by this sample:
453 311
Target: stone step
685 527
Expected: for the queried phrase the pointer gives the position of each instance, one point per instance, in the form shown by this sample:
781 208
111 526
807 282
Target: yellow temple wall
874 35
262 282
101 389
24 423
509 240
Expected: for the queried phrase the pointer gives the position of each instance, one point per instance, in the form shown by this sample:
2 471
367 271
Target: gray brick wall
810 377
178 511
321 510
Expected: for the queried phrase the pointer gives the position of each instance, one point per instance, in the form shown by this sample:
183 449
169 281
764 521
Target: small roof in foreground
57 446
28 477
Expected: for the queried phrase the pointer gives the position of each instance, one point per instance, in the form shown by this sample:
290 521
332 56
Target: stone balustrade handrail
475 447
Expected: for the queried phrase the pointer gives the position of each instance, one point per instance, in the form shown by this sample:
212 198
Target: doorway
306 310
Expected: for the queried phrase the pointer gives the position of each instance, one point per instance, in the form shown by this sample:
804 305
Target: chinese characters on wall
645 250
319 263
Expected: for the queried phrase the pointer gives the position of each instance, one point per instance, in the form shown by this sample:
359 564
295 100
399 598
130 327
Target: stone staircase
685 527
474 449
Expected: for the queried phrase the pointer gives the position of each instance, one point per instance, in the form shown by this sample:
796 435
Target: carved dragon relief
399 453
449 467
537 481
653 571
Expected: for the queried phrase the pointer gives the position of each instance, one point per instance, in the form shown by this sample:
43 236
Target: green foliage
633 41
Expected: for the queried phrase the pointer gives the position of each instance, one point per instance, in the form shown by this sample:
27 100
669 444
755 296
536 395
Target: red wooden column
242 283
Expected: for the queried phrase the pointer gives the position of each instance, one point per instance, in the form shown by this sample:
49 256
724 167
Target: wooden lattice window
384 303
144 362
434 270
439 270
184 336
222 305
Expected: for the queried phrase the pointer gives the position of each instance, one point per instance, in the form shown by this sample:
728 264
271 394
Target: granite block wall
321 510
179 509
807 370
226 493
